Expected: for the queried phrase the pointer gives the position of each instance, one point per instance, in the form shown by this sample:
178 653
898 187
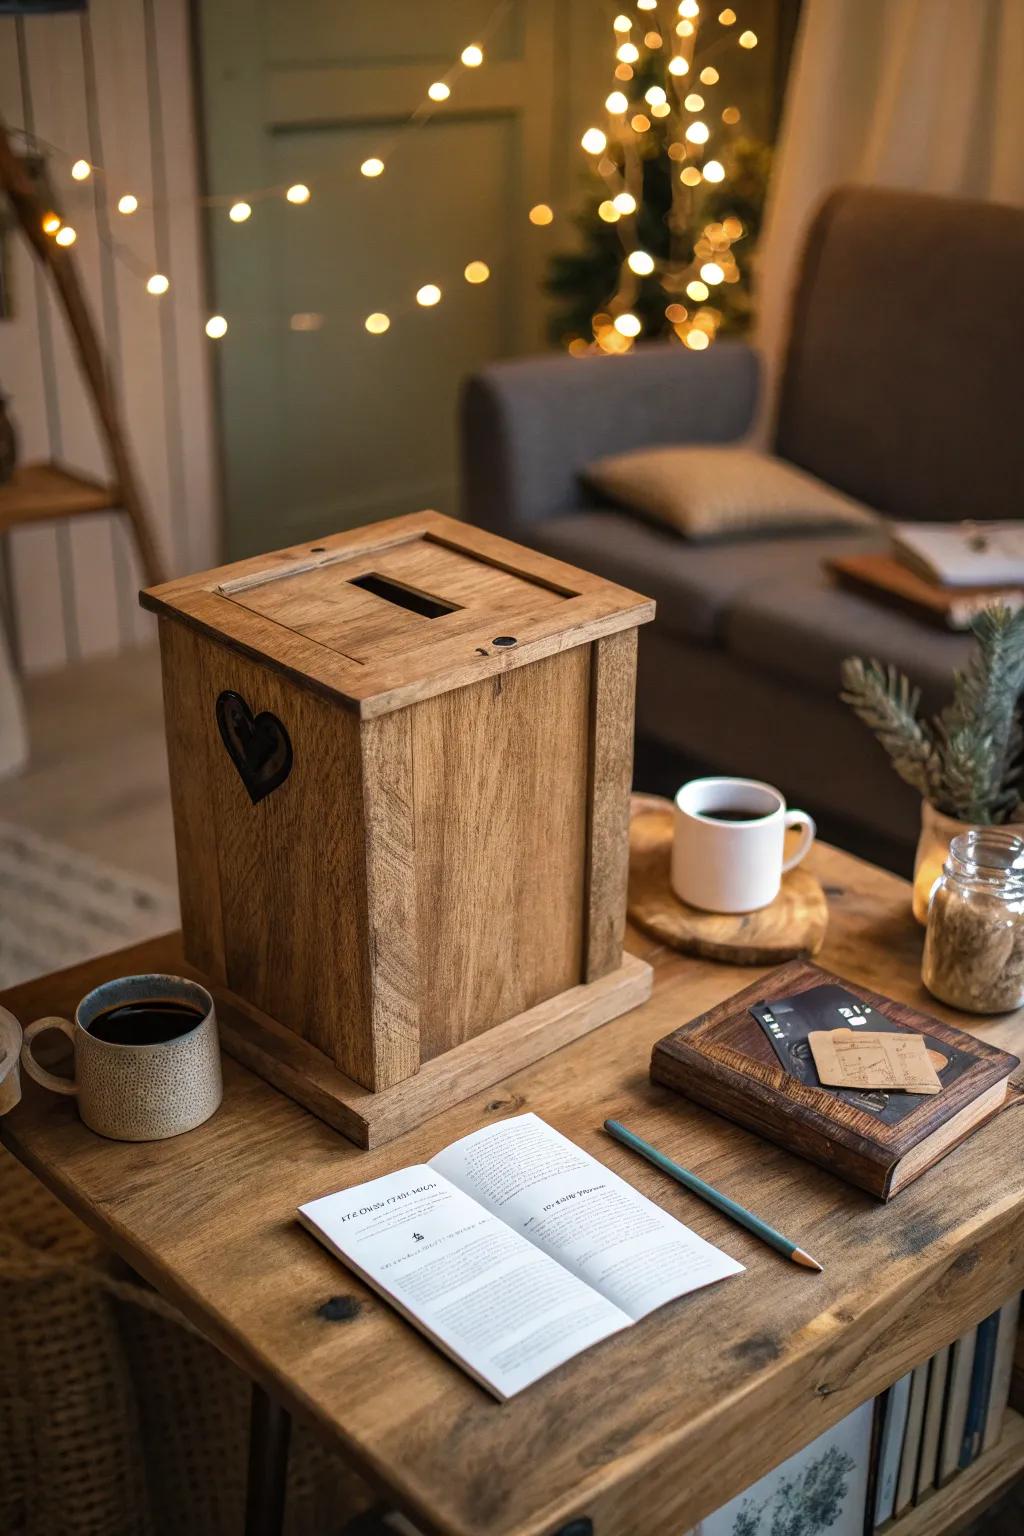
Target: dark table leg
270 1428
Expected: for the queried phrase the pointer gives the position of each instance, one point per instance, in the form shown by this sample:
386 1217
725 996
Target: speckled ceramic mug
137 1092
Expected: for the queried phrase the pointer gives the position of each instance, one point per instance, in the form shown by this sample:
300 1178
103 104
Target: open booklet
514 1250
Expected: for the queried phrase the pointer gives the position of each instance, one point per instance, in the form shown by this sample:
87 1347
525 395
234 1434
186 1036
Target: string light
622 24
623 72
661 109
66 235
81 170
640 262
689 9
594 141
731 115
127 204
732 228
377 323
655 95
747 39
709 75
698 292
299 193
540 213
428 295
608 212
372 167
624 202
157 284
239 212
627 53
617 102
712 273
438 91
714 170
727 17
685 29
628 324
216 327
697 340
472 55
652 39
677 65
477 272
676 313
51 223
690 177
639 123
305 321
698 132
646 5
693 102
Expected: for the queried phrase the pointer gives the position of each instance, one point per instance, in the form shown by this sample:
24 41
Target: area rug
58 906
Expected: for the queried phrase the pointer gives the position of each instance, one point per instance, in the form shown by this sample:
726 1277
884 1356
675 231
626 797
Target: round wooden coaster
794 924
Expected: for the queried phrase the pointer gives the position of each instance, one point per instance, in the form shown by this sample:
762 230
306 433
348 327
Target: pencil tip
799 1257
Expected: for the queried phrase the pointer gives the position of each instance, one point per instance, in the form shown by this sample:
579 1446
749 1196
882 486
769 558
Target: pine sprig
886 701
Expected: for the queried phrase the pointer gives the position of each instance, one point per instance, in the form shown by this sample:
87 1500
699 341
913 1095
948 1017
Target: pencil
721 1202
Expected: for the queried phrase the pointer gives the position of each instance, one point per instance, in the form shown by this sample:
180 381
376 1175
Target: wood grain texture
612 700
794 924
652 1429
501 810
296 611
723 1059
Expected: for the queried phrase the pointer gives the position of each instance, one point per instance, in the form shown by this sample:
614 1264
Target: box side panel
501 781
289 867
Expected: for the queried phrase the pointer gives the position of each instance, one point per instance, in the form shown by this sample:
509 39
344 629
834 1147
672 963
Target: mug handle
800 819
32 1067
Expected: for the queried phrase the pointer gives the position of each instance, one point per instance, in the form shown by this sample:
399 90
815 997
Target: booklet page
582 1214
493 1300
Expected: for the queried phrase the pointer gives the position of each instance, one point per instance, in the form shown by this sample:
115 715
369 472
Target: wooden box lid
381 616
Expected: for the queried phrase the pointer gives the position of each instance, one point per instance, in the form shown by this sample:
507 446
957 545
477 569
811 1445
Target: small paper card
898 1063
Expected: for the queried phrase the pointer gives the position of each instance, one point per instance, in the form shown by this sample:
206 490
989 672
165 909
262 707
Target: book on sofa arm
513 1250
879 1141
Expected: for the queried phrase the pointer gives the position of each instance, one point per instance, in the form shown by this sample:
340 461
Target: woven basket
117 1419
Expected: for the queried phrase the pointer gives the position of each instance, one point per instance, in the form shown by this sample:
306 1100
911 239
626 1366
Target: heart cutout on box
259 746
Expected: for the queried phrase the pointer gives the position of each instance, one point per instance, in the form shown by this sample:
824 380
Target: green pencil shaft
697 1186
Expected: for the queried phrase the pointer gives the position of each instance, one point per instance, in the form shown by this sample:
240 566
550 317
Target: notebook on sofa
726 1060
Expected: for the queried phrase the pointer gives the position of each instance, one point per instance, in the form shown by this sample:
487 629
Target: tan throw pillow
707 493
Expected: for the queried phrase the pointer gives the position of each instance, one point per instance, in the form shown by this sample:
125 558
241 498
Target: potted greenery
966 762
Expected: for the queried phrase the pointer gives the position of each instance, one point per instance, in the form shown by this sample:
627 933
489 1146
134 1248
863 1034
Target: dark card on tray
787 1022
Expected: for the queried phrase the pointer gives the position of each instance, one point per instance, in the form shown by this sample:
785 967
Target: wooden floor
97 774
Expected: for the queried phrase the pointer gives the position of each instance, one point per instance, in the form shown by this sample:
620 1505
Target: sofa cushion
801 628
694 585
710 492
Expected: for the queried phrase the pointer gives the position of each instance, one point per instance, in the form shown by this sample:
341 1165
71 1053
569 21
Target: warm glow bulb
714 170
698 132
639 123
640 262
472 55
652 39
731 115
698 292
655 95
689 9
711 272
51 223
477 272
694 103
622 23
372 167
157 283
747 39
690 177
624 202
697 340
617 102
677 65
608 212
709 75
429 294
127 204
81 170
627 325
727 17
540 213
239 212
646 5
216 327
438 91
661 109
594 141
627 53
66 236
676 313
685 28
299 193
377 323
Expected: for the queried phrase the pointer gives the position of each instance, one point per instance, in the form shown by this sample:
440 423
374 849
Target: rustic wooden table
653 1428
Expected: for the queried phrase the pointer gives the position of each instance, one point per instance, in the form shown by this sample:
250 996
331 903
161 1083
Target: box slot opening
403 597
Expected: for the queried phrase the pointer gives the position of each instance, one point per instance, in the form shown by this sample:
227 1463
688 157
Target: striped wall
114 86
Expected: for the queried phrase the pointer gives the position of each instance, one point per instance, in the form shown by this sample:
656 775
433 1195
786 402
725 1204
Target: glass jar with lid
974 946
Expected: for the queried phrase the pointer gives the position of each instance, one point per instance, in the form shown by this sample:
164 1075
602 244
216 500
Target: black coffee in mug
729 813
151 1021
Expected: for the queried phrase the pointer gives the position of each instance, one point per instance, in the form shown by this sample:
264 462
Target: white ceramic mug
138 1092
728 844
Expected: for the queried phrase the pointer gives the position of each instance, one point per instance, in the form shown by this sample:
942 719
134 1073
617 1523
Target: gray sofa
901 387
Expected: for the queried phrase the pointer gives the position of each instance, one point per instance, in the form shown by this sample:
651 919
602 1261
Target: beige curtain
922 94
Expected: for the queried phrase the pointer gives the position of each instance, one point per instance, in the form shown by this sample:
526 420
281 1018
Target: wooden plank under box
400 766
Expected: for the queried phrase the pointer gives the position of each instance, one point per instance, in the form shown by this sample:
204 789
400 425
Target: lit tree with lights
676 197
